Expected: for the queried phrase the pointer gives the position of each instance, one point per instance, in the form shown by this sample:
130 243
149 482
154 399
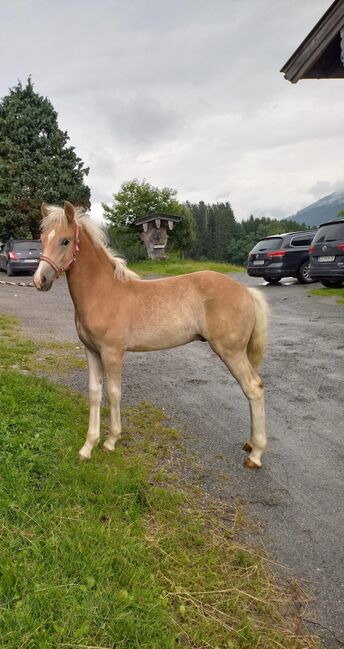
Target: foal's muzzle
43 279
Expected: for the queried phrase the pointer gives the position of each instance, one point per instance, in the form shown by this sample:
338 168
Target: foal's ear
44 210
69 211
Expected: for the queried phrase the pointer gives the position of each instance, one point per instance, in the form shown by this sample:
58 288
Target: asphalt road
298 494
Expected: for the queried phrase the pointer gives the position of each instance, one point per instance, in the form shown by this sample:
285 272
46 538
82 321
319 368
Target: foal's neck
88 276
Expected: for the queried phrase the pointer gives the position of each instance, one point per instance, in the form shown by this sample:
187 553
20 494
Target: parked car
19 255
326 254
281 255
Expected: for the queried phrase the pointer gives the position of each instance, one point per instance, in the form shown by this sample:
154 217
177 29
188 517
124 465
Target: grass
330 292
120 551
48 358
177 266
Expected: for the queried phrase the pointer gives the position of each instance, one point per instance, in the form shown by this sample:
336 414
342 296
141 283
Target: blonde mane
56 217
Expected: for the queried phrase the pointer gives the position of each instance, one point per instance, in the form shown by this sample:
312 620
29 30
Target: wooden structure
154 232
321 54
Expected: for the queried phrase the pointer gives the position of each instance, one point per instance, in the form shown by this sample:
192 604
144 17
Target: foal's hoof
249 464
84 456
108 449
247 447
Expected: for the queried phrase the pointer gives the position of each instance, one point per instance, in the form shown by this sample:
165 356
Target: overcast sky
185 93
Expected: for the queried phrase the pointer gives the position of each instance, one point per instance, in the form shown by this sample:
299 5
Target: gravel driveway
298 495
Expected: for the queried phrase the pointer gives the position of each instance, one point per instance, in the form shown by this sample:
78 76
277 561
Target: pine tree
215 229
36 163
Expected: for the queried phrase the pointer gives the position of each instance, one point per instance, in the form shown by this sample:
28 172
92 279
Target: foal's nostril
43 281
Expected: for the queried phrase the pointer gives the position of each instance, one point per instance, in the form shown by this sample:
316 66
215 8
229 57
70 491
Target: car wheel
303 275
9 271
332 283
272 280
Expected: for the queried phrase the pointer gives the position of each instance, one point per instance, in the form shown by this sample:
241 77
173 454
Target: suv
326 254
281 255
20 255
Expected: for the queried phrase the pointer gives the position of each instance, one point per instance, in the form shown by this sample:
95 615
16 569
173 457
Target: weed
111 553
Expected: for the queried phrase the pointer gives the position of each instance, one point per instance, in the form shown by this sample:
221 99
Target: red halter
59 270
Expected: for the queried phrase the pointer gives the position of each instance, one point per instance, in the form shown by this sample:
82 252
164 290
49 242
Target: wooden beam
315 44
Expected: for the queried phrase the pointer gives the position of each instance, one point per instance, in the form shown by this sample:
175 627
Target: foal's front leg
95 381
112 363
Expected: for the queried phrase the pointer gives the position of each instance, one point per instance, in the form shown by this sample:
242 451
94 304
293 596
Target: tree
36 163
215 227
136 199
248 232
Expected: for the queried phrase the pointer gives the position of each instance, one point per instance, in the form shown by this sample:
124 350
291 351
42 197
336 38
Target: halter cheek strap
59 270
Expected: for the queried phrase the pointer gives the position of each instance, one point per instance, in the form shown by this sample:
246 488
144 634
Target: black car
326 254
19 255
281 255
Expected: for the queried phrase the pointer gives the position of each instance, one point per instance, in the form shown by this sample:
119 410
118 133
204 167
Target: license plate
331 258
29 261
259 263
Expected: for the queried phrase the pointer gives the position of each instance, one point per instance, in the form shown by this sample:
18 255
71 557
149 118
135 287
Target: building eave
157 215
320 54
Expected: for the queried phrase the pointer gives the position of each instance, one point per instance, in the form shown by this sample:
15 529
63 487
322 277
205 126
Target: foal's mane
56 217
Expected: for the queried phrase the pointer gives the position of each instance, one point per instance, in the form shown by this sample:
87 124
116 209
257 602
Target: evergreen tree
219 237
36 163
199 245
248 232
224 224
215 228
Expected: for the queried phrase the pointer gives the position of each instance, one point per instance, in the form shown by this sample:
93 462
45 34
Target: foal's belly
153 342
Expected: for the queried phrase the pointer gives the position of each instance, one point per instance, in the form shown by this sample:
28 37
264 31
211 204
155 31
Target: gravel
297 496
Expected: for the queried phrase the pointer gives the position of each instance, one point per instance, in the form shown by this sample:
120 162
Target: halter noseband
59 270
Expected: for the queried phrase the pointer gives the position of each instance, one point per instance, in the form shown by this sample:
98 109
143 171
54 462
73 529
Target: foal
116 311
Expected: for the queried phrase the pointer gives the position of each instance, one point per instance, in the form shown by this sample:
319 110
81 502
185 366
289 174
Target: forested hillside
218 236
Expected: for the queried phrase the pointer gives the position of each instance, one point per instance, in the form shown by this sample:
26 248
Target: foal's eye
65 242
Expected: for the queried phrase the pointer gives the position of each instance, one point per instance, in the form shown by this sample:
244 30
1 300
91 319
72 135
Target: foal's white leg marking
95 380
113 367
258 439
252 386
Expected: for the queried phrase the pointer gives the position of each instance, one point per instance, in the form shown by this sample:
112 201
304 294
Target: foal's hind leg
95 380
252 386
112 363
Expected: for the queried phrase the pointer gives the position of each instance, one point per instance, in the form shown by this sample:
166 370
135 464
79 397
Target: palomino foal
116 311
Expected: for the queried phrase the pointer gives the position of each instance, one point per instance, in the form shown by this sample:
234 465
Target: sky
185 93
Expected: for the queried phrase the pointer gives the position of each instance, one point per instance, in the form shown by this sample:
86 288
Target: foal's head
60 239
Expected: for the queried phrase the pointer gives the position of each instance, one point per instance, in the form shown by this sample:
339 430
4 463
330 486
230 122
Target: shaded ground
298 495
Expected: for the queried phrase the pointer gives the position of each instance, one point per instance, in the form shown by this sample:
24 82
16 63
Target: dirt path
298 495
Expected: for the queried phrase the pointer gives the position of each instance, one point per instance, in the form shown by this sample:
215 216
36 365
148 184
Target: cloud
186 94
323 187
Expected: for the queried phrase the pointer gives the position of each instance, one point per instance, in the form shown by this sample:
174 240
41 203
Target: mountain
323 210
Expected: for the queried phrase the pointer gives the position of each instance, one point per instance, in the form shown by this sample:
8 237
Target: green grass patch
119 551
330 292
47 358
15 351
175 266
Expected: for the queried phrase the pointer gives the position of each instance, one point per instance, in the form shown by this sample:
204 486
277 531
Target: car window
304 240
267 244
24 246
331 232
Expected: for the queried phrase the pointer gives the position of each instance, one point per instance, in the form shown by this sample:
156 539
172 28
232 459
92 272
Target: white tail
257 343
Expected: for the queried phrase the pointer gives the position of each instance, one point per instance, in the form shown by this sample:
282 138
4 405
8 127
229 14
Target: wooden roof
321 54
157 215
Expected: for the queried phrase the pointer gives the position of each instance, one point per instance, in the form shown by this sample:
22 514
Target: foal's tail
257 343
